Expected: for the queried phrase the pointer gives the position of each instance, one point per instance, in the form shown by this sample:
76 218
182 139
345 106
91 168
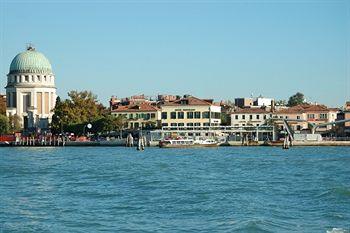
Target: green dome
30 61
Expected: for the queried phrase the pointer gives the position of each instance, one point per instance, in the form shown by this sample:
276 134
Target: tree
2 106
4 124
296 99
80 109
14 123
281 103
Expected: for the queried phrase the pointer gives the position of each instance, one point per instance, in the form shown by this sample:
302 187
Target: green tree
80 109
4 124
296 99
2 106
281 103
15 124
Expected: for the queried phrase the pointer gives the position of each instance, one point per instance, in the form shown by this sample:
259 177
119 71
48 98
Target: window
153 115
215 115
243 117
323 116
257 117
197 115
236 117
164 115
206 124
164 124
131 116
8 99
147 116
264 117
189 124
189 115
311 116
173 124
257 124
173 115
250 117
180 115
197 124
205 115
298 117
181 124
26 78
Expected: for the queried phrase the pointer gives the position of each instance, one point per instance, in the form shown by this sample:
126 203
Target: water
230 189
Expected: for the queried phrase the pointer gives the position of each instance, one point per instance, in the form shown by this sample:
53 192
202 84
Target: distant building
310 113
262 101
250 117
253 102
167 98
303 114
347 117
138 115
30 89
243 102
190 111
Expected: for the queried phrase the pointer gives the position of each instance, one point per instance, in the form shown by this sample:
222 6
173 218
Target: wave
337 230
337 191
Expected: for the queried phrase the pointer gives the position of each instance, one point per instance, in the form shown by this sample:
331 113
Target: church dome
30 61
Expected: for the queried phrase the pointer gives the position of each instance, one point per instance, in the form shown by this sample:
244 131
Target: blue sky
219 49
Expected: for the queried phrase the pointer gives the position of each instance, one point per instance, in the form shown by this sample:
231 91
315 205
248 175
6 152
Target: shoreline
154 144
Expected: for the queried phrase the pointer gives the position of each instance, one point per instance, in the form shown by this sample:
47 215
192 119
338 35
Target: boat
186 143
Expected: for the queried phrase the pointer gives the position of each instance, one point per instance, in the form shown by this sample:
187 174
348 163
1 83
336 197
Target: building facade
308 113
30 89
347 114
302 115
138 115
250 117
190 111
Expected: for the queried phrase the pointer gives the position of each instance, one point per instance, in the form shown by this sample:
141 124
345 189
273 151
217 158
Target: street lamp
89 126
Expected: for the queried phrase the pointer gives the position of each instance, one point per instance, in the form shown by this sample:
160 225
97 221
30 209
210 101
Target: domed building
30 90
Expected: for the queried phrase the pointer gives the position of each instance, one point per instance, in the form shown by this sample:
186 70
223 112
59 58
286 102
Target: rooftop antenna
30 47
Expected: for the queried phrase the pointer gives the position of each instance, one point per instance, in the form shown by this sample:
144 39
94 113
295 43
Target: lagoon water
231 189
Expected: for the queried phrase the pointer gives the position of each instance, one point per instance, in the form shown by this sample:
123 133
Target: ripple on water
194 190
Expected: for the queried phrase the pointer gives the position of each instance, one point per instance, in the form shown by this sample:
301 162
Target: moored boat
185 143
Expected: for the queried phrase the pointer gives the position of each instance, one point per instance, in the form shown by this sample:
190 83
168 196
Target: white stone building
250 117
30 90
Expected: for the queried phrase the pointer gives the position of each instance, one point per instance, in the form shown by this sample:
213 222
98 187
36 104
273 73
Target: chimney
272 106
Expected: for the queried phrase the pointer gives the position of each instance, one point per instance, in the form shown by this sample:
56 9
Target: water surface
231 189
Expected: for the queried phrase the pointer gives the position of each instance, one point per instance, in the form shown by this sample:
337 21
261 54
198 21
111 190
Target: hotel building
138 115
250 117
316 114
190 111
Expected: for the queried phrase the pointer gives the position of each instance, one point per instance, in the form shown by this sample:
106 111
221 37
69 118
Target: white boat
184 143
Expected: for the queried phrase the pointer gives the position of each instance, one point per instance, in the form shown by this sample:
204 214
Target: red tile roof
306 108
251 110
189 101
135 108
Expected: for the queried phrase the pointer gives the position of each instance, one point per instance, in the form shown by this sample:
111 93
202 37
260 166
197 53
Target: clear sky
218 49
